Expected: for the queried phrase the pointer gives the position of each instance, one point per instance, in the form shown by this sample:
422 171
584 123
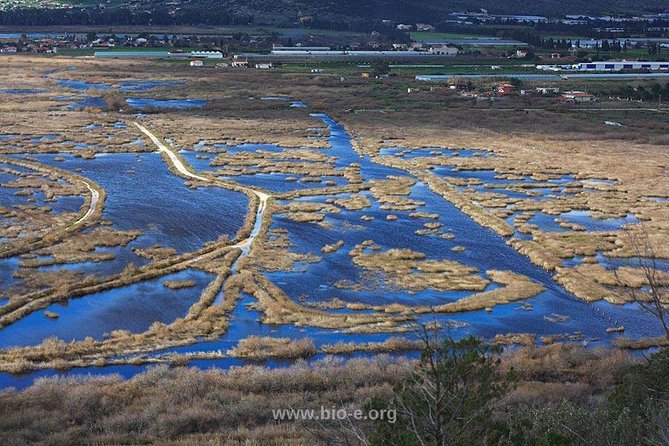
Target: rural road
245 244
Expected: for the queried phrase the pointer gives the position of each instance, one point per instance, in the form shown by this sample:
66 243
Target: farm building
504 90
576 97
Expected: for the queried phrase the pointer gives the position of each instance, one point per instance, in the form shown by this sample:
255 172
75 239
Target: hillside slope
285 12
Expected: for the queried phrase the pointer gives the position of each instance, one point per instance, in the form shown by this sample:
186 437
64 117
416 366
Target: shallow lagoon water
133 307
428 152
9 197
246 322
7 267
340 148
21 91
166 103
136 85
44 138
249 147
493 182
77 102
22 381
82 85
659 264
143 194
483 249
293 103
585 219
145 85
127 371
275 181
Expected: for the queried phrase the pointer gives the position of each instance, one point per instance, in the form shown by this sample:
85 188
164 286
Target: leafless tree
653 295
340 432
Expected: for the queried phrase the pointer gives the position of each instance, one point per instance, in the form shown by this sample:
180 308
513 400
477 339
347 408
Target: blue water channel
483 249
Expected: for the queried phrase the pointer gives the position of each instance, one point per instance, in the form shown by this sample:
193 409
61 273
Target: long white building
620 66
437 51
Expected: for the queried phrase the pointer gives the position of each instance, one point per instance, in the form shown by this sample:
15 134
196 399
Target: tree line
122 16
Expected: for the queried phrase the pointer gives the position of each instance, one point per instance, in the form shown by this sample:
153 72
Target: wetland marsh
165 220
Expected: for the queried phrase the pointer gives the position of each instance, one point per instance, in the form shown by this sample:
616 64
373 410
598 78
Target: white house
196 63
519 54
577 97
424 27
547 90
443 50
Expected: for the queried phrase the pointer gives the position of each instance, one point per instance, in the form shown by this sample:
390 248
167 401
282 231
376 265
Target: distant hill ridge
290 12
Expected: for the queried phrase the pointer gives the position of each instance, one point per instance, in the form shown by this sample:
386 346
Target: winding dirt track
9 250
42 299
95 197
245 244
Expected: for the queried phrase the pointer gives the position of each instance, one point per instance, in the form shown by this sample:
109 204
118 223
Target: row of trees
122 16
653 92
600 29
